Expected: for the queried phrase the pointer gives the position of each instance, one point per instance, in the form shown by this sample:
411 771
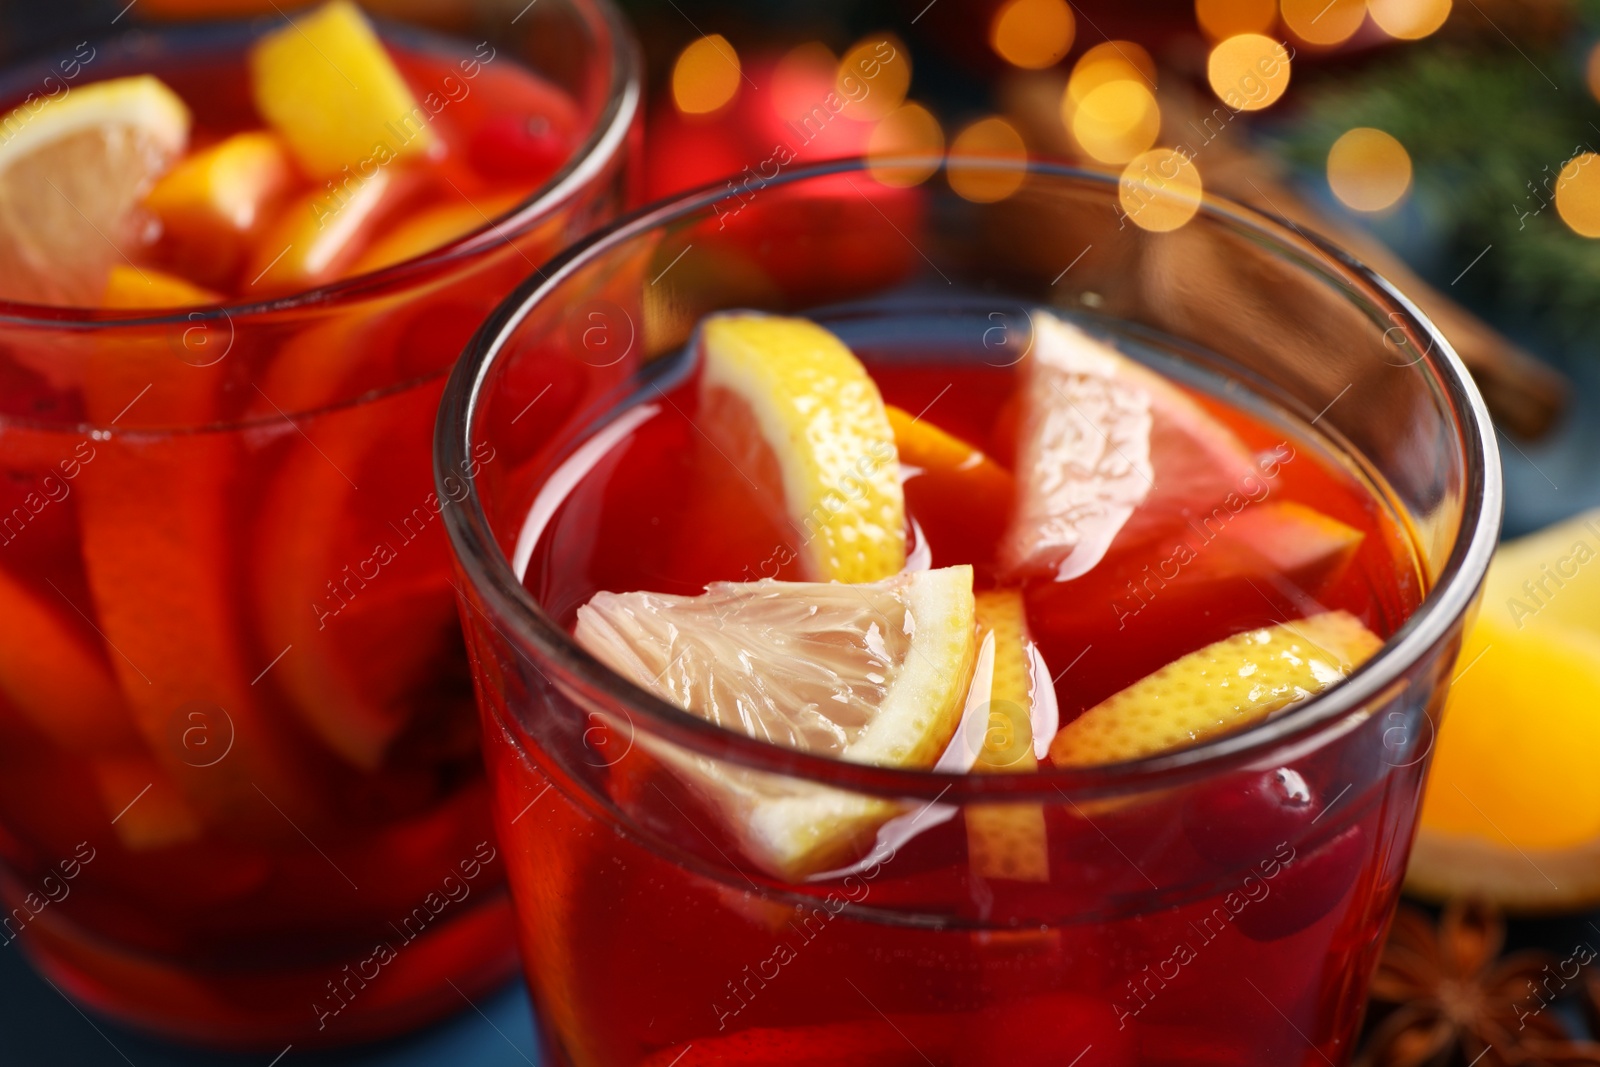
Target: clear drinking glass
1183 918
241 796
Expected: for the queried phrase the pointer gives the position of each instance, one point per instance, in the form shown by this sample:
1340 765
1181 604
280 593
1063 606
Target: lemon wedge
871 673
1008 840
72 170
789 405
1223 687
1512 807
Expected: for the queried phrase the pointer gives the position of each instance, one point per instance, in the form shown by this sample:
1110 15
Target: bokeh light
1115 121
1160 189
1225 18
1032 34
1409 20
1324 22
802 77
1578 194
706 75
1592 72
1107 62
909 129
874 76
1248 72
1368 169
990 138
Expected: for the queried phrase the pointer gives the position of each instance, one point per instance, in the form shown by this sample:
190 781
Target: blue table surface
39 1027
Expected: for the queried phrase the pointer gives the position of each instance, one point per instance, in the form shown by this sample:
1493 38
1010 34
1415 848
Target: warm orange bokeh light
1324 22
1225 18
706 75
1409 20
1115 121
1592 72
990 138
874 76
802 77
1160 190
1248 72
1032 34
908 130
1368 169
1110 61
1578 194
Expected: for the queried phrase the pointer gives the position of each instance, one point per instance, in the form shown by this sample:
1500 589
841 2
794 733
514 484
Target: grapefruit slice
1108 450
872 673
1008 840
147 810
790 406
71 174
1512 807
1220 689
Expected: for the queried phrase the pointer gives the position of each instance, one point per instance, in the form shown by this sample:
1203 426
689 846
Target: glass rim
609 131
561 661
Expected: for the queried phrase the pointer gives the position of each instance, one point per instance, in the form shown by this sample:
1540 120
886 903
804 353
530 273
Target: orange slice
211 202
871 673
1220 689
71 174
327 85
1108 450
434 228
146 287
53 670
1512 807
1008 840
318 235
148 811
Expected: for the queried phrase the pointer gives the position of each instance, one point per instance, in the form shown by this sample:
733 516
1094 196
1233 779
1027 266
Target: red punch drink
241 799
940 677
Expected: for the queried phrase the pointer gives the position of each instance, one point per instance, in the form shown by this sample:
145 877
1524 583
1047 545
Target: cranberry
1241 821
1306 887
524 148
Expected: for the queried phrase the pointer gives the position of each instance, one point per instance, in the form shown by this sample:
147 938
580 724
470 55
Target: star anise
1457 1003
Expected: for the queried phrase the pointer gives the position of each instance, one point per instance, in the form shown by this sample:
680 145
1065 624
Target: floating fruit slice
433 228
1108 450
52 670
146 809
72 172
961 498
146 287
872 673
1286 538
789 405
1512 807
212 201
318 235
326 84
1221 688
1008 840
361 594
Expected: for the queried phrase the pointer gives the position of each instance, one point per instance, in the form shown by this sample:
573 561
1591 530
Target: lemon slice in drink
790 406
871 673
1223 687
72 171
